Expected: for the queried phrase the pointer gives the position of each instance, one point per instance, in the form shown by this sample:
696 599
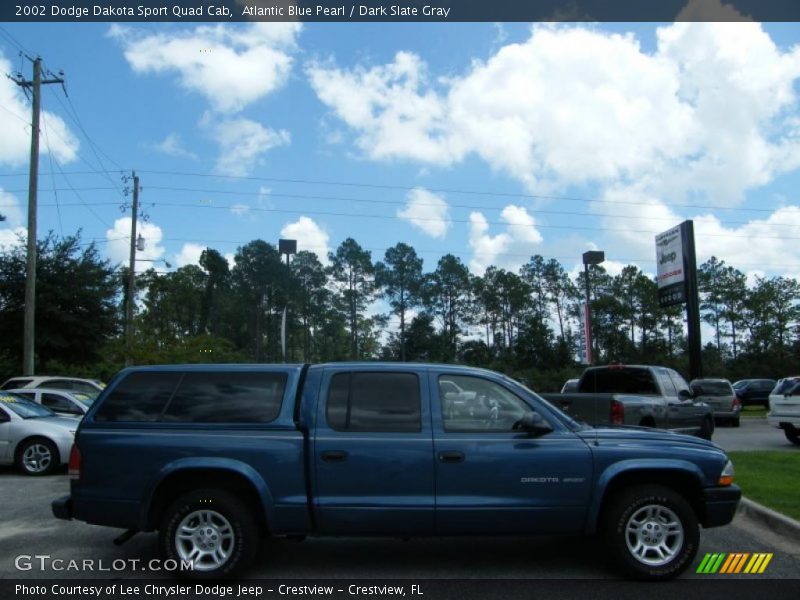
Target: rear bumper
783 420
720 505
62 508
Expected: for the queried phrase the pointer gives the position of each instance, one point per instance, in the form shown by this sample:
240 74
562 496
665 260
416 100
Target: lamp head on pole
140 243
593 257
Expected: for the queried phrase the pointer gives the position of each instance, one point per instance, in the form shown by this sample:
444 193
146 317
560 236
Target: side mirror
533 423
685 395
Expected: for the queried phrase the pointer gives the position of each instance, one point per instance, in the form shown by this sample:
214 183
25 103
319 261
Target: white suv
75 384
784 408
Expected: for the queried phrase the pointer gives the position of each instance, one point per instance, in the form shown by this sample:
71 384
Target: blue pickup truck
216 457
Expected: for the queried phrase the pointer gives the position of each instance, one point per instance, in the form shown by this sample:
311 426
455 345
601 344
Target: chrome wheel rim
206 539
37 458
654 535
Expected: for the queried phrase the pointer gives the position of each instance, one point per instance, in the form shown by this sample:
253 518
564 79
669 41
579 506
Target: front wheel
211 530
38 457
707 428
651 532
792 435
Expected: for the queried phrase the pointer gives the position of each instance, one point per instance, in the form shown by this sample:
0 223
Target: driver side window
473 404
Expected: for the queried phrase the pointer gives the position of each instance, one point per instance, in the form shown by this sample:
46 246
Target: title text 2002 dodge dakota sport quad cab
216 456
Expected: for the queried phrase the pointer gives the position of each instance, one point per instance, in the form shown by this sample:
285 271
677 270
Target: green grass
770 478
754 411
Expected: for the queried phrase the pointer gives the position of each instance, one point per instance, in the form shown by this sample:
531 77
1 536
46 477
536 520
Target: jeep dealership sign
670 267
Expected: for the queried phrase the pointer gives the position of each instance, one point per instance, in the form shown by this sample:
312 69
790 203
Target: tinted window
680 382
28 395
618 380
56 384
58 403
139 397
227 397
13 383
712 388
374 402
785 386
667 385
482 405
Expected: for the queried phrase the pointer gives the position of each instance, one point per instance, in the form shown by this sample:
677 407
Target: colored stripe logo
734 562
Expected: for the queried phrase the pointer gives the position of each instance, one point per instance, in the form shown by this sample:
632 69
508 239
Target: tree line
524 323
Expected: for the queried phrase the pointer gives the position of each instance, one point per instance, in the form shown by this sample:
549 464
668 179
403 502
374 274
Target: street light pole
286 247
592 257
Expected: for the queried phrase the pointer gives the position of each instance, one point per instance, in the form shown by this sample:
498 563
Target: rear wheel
213 530
792 434
651 532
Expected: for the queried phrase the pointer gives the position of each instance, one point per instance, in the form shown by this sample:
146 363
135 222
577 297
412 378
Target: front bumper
720 505
62 508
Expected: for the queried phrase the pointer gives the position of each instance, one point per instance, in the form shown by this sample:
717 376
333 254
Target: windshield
25 408
85 399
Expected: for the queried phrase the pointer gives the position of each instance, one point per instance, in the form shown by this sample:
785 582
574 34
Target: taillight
736 404
617 413
74 469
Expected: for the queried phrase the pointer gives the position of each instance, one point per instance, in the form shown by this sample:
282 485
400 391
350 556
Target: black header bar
399 10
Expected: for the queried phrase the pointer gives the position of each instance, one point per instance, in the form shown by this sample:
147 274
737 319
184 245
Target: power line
498 194
448 220
52 176
10 38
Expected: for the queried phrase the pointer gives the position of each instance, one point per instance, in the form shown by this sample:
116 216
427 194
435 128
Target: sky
490 141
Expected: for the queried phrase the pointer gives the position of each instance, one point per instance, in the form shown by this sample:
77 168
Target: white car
76 384
784 408
32 436
61 402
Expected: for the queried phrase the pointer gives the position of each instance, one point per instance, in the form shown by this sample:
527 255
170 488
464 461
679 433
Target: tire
219 534
37 457
706 429
792 434
651 532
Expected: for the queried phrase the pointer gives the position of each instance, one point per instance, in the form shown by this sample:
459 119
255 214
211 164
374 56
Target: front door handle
451 457
334 456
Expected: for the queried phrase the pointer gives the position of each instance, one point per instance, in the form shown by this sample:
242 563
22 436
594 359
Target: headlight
726 477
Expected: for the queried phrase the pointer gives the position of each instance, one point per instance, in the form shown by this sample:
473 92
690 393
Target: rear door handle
451 457
334 456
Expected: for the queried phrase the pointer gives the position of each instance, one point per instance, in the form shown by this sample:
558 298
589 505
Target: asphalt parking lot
753 434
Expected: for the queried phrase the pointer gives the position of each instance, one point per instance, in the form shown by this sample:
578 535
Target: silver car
721 397
62 402
32 436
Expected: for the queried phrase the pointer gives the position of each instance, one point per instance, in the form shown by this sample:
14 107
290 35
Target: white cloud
231 66
310 237
231 258
711 110
12 233
509 249
119 240
240 209
189 255
426 211
385 105
15 124
173 146
14 236
242 143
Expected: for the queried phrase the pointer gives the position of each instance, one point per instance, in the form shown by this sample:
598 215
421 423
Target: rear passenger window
369 401
227 397
138 397
13 383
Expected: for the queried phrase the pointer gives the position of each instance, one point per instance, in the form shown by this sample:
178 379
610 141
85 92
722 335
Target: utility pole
35 86
131 274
